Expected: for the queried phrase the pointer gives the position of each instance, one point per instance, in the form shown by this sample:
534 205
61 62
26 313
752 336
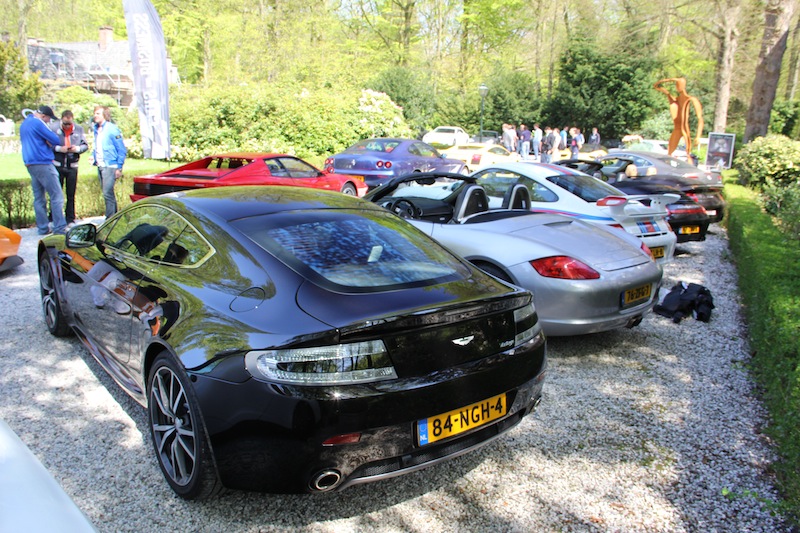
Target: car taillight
384 164
618 226
564 267
646 250
476 159
691 176
338 364
678 209
527 325
329 162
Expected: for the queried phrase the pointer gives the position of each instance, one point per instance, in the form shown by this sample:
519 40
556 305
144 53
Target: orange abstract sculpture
679 109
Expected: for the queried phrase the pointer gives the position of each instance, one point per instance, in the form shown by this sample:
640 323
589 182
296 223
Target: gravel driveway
645 429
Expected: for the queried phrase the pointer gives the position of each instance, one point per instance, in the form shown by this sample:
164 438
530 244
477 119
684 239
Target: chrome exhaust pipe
635 321
326 480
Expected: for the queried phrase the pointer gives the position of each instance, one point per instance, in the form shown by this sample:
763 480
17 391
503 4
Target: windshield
355 251
438 189
585 187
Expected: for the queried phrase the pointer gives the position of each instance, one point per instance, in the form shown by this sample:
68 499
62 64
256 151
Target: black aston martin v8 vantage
290 340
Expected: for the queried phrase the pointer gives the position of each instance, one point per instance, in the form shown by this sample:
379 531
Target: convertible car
244 169
584 278
291 340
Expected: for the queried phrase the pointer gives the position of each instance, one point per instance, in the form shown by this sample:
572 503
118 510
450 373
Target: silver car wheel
173 426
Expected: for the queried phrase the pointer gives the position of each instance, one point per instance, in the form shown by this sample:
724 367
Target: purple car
379 160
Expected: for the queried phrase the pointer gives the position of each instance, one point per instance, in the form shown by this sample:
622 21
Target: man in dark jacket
37 141
73 142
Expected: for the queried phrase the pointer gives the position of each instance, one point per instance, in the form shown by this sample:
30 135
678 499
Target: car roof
231 203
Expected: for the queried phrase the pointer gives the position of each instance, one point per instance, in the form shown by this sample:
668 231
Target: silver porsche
585 278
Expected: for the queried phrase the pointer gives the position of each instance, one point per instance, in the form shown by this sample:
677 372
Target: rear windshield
676 163
587 188
355 251
374 145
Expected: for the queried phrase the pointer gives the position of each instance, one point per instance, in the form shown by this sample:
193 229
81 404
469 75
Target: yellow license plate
689 230
637 294
460 420
658 252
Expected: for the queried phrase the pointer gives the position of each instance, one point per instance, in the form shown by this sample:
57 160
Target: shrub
770 290
273 119
783 201
775 158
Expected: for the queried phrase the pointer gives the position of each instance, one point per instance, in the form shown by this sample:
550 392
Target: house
103 66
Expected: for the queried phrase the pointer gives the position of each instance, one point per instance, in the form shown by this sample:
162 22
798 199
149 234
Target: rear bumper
272 438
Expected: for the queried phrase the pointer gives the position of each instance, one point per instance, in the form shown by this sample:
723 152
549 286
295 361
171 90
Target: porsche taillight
476 159
564 267
646 250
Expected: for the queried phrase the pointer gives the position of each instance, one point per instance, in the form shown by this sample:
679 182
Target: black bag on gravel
684 300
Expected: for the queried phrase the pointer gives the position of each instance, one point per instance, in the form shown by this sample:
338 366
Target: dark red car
245 169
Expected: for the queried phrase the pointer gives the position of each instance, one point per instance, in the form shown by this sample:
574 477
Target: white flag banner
149 59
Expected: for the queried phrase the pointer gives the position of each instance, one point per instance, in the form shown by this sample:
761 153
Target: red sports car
245 169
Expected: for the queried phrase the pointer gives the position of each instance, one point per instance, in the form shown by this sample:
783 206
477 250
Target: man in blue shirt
38 142
109 155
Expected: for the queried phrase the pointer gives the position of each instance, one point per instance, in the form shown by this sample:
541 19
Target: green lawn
11 166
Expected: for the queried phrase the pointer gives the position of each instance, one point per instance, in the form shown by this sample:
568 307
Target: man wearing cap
38 142
109 155
74 144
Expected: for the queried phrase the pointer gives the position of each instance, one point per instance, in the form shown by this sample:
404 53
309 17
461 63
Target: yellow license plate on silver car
636 295
657 251
460 420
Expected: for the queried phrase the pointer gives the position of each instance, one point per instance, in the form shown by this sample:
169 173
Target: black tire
51 308
178 433
349 189
494 271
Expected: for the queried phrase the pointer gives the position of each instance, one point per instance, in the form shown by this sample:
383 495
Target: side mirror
81 236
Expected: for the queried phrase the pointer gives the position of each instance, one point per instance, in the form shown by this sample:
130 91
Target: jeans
44 180
70 177
526 148
536 145
546 158
108 178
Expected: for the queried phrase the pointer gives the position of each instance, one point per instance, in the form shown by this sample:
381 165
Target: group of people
545 146
51 150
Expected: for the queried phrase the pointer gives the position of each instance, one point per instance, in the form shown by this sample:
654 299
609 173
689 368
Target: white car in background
6 127
477 155
446 136
566 191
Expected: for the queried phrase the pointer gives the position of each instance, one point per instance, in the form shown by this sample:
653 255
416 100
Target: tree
727 35
778 15
18 89
611 91
410 91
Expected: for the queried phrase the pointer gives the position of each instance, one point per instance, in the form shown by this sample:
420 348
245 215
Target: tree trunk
25 7
728 42
794 64
778 15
